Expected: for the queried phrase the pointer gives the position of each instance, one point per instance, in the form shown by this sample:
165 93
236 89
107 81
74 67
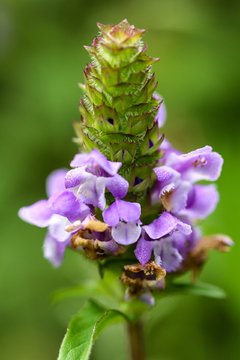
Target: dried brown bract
143 280
95 238
199 254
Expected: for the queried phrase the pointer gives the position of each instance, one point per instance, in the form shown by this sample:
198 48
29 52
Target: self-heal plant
131 202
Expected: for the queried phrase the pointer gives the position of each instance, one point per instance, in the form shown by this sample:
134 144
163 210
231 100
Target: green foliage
84 329
200 289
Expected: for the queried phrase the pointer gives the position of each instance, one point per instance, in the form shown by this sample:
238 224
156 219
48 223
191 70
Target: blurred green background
41 62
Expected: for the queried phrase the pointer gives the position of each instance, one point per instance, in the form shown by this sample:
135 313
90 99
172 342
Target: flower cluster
126 193
74 196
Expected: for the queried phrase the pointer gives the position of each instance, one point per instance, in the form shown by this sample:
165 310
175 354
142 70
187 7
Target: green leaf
84 329
142 186
85 289
156 146
200 289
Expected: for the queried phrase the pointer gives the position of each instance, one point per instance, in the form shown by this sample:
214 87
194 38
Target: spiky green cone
118 109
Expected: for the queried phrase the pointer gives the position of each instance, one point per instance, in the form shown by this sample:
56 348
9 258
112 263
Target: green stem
135 330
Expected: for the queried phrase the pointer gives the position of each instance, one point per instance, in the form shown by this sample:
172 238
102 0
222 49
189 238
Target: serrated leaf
94 82
130 146
86 112
127 171
120 103
143 171
156 146
147 90
143 148
105 111
97 61
153 133
135 67
140 109
117 57
127 158
89 144
124 89
110 76
138 78
94 95
139 128
102 124
142 186
84 329
118 156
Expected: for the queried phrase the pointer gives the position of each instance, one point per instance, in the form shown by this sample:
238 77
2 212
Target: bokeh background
41 62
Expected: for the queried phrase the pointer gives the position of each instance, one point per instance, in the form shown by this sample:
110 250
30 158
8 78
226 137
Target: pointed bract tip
123 33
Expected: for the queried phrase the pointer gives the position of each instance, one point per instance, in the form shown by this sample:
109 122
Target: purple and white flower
45 213
123 217
161 236
177 176
93 172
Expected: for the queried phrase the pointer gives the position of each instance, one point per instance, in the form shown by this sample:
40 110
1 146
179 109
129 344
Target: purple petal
143 250
92 191
178 199
164 225
110 246
75 177
166 255
203 202
165 173
37 214
166 146
117 185
169 179
126 233
67 205
201 164
121 210
128 211
95 158
104 236
57 228
56 182
147 297
160 285
111 215
54 250
162 112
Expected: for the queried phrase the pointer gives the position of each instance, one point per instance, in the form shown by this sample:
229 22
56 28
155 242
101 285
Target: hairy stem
135 331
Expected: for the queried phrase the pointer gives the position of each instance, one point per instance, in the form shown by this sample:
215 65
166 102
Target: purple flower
43 214
123 217
94 173
68 205
155 236
201 164
171 250
177 176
